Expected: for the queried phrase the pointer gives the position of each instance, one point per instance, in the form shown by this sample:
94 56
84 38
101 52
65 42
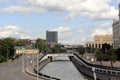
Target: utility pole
23 59
37 66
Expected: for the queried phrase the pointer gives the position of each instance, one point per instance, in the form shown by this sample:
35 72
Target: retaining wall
101 73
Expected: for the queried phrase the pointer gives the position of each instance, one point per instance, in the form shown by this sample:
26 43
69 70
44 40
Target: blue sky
76 21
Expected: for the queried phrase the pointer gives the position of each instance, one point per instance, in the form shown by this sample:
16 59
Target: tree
105 47
7 48
8 45
81 50
111 56
117 51
58 48
99 55
20 42
40 44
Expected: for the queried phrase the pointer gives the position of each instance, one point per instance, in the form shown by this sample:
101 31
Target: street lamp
23 59
33 58
28 57
37 66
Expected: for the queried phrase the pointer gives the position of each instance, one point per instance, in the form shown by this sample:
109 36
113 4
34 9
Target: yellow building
26 50
99 40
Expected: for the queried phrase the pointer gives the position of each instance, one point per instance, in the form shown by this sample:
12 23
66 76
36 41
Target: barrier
102 72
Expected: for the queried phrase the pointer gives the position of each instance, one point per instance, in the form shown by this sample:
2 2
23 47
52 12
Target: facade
51 37
26 50
99 40
116 32
27 42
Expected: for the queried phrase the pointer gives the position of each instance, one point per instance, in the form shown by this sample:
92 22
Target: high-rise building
51 37
116 32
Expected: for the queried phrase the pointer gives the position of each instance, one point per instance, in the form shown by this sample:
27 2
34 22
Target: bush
2 58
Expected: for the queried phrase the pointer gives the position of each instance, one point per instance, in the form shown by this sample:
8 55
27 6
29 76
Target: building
51 37
116 32
26 50
99 40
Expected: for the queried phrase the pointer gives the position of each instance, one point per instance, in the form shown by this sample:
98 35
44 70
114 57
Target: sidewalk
89 56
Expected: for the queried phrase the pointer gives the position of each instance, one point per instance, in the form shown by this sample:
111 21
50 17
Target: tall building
99 40
51 37
116 32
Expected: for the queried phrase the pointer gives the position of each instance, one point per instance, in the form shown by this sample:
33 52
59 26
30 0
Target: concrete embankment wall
102 74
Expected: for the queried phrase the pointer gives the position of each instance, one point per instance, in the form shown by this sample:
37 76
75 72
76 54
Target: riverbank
90 58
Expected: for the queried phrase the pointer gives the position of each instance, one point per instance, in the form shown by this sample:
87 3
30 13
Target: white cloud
102 32
63 32
13 31
103 29
68 35
91 9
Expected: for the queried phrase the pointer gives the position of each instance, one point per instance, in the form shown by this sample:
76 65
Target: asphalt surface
13 70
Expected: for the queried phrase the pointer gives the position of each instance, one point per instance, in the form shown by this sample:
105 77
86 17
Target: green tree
117 51
105 47
40 44
58 48
81 50
8 45
111 56
99 55
20 42
7 48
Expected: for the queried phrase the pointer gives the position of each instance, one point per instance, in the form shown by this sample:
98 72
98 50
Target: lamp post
33 58
28 57
23 59
37 66
94 74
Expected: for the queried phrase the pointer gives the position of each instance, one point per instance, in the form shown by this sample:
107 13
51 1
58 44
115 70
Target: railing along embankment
99 72
42 63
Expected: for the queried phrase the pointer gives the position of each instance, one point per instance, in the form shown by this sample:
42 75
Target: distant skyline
76 21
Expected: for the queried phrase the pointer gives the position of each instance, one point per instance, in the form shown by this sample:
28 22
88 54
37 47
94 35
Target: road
13 70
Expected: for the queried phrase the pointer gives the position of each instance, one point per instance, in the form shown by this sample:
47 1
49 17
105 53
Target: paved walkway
105 63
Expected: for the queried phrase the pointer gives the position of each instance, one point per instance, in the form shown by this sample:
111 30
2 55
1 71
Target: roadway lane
13 70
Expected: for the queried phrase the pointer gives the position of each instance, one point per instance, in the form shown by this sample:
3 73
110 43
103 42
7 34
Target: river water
64 70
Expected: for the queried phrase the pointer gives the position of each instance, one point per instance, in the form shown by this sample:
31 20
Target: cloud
103 29
91 9
13 31
69 35
102 32
63 32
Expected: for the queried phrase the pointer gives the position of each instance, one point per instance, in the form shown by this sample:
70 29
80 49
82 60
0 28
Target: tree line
106 53
7 48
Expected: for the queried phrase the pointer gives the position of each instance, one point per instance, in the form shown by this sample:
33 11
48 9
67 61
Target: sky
76 21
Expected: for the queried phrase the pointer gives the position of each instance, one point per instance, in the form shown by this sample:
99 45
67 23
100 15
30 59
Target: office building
116 32
99 40
51 37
